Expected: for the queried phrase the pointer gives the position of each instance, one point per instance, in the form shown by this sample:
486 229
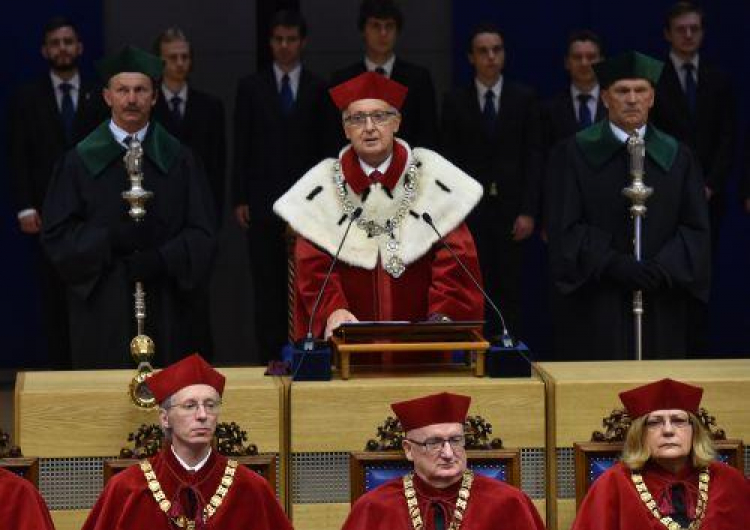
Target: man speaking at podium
187 485
393 265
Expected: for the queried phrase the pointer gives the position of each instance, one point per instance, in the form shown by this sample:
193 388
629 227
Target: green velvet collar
598 144
100 148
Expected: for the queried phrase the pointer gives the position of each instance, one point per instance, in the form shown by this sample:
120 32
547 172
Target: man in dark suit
48 116
195 117
380 22
491 129
578 107
695 103
277 121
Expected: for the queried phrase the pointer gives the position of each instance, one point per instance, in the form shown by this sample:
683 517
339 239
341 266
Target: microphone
507 342
309 341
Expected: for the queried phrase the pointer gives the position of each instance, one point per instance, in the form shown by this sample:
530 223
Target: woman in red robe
668 477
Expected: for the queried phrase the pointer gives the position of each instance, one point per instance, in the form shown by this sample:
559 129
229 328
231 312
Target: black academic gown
85 202
589 224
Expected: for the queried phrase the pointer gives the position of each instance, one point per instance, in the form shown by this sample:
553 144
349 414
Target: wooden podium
373 337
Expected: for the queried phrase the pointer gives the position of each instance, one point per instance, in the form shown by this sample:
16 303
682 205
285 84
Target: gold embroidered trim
208 511
700 509
461 503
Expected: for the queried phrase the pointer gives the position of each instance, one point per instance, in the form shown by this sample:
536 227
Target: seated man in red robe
441 493
22 507
668 477
188 485
393 266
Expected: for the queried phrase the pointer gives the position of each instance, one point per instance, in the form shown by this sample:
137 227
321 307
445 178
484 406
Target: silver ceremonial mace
637 192
142 347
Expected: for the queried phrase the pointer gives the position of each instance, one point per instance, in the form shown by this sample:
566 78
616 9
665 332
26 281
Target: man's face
191 423
685 34
177 60
628 102
62 48
130 95
380 36
443 467
371 141
581 55
669 434
487 55
286 46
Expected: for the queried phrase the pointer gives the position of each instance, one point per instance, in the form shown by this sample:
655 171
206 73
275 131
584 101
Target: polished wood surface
69 519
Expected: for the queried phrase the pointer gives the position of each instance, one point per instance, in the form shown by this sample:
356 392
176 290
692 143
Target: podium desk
331 419
73 420
581 394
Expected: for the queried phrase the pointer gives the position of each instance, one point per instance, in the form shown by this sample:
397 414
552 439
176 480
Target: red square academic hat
192 370
661 395
429 410
369 85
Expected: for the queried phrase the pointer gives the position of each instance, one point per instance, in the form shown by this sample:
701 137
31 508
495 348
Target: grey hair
165 406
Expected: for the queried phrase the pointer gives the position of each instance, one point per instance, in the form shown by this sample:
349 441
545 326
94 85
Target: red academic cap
429 410
192 370
369 85
661 395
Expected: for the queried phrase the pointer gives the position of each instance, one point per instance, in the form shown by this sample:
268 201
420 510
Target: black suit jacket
37 137
510 158
559 120
419 112
202 129
271 149
711 133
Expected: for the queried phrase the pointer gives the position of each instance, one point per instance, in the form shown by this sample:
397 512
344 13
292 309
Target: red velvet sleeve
311 265
22 507
452 293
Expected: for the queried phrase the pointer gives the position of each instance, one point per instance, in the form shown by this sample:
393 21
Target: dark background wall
226 36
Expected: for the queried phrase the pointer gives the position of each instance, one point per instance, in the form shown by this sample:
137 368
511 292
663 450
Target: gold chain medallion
208 511
668 522
461 503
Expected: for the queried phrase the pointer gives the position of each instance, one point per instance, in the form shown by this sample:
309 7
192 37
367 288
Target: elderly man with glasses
393 264
188 485
441 492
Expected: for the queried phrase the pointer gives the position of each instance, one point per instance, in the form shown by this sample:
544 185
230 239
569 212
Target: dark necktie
67 110
489 112
584 113
438 517
679 512
376 176
380 70
127 140
287 98
176 109
691 87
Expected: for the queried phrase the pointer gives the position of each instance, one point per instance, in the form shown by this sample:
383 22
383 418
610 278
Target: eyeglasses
191 406
435 445
678 422
378 117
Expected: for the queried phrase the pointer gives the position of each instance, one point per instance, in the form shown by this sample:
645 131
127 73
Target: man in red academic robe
667 477
444 492
22 507
392 265
188 485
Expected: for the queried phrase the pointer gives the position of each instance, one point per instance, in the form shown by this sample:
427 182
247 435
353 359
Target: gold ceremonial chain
461 503
208 510
700 509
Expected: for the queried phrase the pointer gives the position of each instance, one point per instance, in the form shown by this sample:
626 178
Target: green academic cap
628 65
130 59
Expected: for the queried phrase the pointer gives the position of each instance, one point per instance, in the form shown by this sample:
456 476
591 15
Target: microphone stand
637 192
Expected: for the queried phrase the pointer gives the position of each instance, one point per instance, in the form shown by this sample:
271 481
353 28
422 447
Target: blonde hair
636 453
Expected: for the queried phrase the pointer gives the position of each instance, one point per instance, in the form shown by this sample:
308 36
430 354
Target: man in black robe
591 233
100 251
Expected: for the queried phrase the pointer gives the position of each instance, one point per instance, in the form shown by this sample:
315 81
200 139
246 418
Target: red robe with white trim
127 503
22 508
612 503
492 505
